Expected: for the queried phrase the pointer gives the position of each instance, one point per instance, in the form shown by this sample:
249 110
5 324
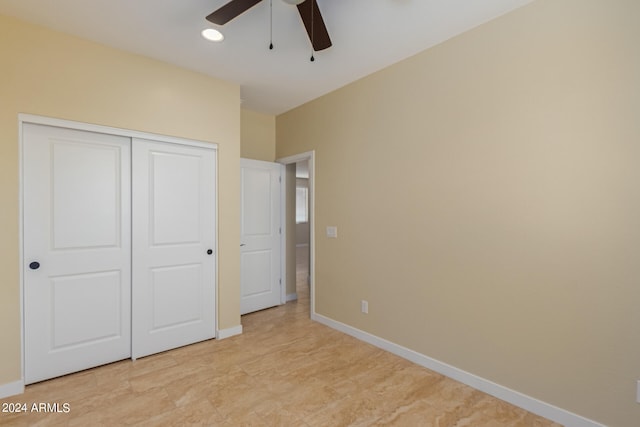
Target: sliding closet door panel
77 250
173 245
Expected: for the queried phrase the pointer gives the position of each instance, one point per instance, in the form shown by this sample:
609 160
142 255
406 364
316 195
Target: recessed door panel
257 278
176 292
175 198
77 254
85 179
257 207
94 298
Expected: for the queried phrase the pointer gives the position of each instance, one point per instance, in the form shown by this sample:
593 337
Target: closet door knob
34 265
209 251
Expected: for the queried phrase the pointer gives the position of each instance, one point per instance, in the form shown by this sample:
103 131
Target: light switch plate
364 306
638 391
332 232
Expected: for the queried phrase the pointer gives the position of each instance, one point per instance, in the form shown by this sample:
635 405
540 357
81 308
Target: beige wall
487 195
257 136
52 74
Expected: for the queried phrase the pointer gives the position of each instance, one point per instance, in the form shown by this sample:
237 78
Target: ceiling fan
308 9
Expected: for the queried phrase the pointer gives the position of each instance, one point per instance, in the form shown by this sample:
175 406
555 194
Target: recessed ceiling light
212 34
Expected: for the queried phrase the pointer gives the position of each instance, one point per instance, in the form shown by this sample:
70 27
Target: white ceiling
367 35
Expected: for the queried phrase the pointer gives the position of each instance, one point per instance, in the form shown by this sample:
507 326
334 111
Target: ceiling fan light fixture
294 2
212 35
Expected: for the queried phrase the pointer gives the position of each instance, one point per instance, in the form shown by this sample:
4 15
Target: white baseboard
516 398
11 389
229 332
292 297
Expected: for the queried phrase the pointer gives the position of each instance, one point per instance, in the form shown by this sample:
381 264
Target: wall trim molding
11 389
516 398
292 297
228 332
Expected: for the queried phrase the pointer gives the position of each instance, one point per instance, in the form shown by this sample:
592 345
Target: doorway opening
302 227
298 217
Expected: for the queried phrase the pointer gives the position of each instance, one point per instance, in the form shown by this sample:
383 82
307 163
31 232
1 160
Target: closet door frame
49 121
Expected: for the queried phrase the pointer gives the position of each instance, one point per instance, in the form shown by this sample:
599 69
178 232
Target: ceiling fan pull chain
312 58
270 24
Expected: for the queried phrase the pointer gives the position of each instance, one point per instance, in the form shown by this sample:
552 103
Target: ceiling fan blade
312 18
230 10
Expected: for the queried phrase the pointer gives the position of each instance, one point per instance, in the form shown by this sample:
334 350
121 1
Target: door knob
243 244
209 251
34 265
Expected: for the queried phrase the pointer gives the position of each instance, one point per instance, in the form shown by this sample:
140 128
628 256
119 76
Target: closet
119 247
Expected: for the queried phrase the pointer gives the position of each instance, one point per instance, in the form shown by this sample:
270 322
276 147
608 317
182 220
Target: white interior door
174 245
77 251
260 251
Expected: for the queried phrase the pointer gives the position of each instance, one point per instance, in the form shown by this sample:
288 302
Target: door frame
309 156
69 124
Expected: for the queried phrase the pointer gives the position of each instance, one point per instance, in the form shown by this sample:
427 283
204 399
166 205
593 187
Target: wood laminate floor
284 370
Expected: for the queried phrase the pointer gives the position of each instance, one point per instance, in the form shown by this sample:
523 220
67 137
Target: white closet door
260 253
77 250
173 245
